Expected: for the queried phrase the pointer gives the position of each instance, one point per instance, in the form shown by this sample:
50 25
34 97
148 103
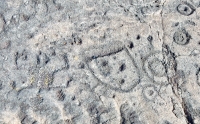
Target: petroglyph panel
99 61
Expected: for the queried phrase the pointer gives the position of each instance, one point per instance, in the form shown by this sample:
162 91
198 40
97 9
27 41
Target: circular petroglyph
157 68
181 37
154 67
185 9
149 92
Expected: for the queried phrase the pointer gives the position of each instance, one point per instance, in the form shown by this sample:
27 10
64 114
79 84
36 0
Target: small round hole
185 9
138 37
149 38
122 81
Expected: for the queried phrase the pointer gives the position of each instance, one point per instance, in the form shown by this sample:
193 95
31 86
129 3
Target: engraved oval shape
185 9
